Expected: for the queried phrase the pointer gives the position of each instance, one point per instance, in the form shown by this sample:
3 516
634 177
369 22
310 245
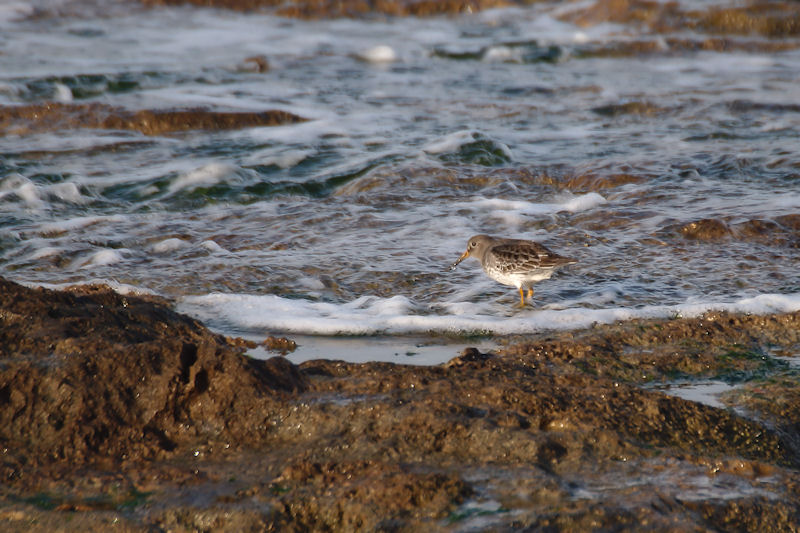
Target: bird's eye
474 244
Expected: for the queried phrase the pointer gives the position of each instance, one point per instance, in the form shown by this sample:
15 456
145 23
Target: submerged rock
706 229
279 344
348 8
35 118
783 231
770 19
629 108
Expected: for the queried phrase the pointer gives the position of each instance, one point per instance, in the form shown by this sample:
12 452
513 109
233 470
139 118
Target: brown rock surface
770 19
279 344
783 231
681 45
706 229
88 373
116 411
51 116
348 8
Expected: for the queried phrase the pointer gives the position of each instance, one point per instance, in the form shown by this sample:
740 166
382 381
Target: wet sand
119 412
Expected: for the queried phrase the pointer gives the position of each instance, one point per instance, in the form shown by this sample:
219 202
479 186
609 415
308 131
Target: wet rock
770 19
758 515
34 118
512 52
88 374
382 184
258 64
279 344
164 425
791 222
728 44
756 229
619 49
478 149
363 495
775 397
679 45
348 8
629 108
598 182
469 355
773 19
623 11
707 229
783 231
715 345
156 122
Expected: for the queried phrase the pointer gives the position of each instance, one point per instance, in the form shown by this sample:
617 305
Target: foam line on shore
371 315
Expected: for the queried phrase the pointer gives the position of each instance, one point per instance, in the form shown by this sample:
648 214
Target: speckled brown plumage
514 262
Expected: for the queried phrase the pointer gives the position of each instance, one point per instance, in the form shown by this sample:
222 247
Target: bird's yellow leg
521 298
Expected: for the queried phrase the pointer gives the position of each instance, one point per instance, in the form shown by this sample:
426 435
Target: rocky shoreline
117 411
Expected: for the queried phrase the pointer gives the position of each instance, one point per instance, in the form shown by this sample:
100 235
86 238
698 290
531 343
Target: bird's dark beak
463 256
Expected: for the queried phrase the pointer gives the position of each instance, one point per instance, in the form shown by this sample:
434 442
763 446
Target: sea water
420 133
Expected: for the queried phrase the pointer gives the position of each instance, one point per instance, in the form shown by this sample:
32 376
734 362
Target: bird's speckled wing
524 256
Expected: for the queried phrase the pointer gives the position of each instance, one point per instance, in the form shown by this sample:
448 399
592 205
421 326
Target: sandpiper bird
514 262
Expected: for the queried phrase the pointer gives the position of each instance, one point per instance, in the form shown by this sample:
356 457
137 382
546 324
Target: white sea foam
282 159
103 258
169 245
120 288
313 284
13 11
72 224
454 141
29 193
63 93
583 202
213 247
500 53
46 251
363 316
580 37
17 186
572 204
371 315
67 192
514 212
210 174
11 182
379 54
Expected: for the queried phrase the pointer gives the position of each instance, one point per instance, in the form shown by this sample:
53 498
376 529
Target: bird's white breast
516 279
